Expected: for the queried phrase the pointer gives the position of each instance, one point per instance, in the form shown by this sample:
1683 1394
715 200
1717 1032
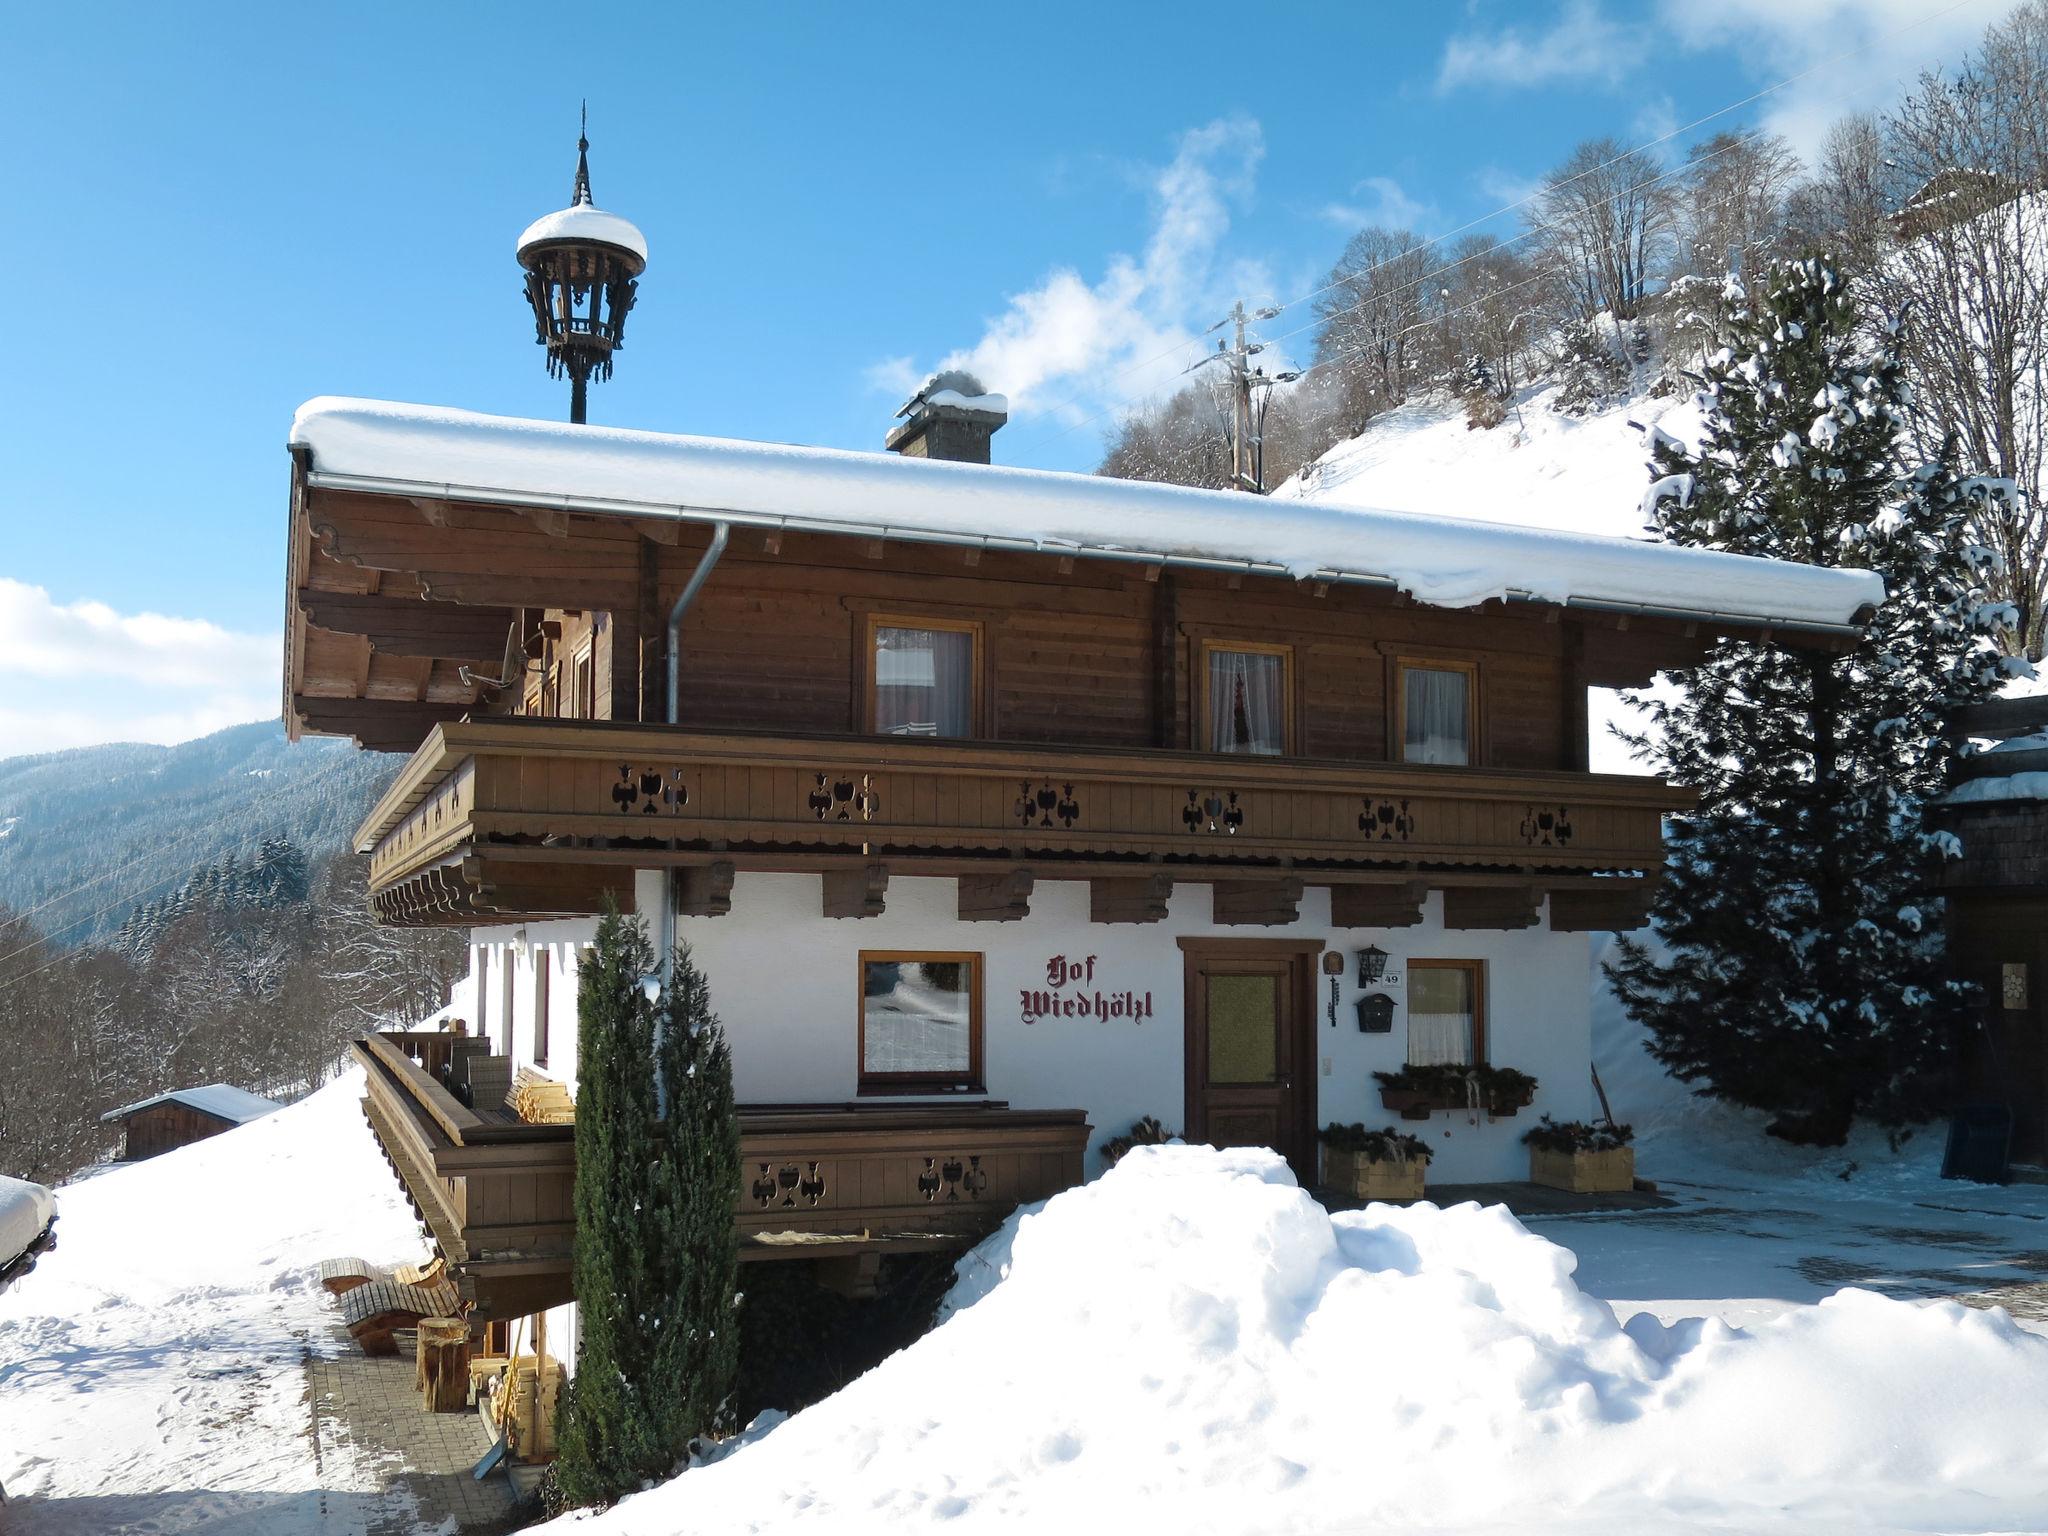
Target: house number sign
1070 992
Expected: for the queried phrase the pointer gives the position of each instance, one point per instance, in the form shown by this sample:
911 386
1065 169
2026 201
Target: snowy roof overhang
382 447
234 1105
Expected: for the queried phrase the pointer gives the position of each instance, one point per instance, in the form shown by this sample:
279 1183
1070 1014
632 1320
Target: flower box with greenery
1587 1159
1148 1132
1414 1092
1373 1165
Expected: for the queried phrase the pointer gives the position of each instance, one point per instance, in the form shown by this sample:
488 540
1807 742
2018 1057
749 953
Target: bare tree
1605 221
1844 207
1373 310
1183 440
1971 270
1731 216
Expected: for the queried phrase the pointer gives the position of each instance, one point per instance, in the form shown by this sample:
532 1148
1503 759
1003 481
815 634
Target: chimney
950 417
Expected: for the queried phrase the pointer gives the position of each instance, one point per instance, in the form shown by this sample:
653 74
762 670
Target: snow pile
582 221
152 1368
370 444
25 1210
1193 1343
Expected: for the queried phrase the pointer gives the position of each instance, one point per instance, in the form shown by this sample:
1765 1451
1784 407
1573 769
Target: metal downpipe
720 532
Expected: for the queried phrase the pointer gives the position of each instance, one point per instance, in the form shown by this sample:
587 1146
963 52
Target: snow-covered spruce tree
656 1249
1805 974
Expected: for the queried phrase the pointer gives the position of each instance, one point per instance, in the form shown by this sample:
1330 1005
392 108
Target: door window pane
1436 712
918 1018
1247 702
1441 1015
924 681
1244 1029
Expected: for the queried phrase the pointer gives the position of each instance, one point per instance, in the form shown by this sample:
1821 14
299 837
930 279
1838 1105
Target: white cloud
1583 44
1101 342
1380 200
85 673
1863 53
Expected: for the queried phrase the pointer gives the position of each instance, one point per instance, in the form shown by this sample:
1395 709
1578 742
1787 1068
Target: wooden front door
1251 1046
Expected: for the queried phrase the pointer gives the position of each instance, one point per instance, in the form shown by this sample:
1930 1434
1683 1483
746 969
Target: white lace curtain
924 682
1247 709
1436 712
1440 1016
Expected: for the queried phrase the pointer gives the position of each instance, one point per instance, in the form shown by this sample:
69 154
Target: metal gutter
605 506
706 564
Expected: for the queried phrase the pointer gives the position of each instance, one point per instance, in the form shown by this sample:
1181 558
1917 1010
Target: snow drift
1193 1342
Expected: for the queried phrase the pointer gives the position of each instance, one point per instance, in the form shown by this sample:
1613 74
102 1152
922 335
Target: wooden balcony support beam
1613 906
704 890
1138 899
1378 906
1493 906
999 898
858 892
1266 903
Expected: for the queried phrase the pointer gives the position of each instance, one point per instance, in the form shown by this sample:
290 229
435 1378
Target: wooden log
442 1365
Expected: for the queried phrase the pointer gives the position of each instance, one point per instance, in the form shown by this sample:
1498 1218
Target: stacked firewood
540 1100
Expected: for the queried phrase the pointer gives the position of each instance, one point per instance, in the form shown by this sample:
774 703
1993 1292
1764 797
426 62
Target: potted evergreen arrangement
1414 1092
1585 1158
1373 1165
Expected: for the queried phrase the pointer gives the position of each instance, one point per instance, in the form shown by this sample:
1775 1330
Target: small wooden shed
185 1115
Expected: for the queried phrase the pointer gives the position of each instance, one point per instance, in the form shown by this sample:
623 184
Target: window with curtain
1436 715
1444 1023
920 1023
1247 702
923 681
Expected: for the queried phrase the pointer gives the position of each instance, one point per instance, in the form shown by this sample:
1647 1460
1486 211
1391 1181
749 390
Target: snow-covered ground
152 1367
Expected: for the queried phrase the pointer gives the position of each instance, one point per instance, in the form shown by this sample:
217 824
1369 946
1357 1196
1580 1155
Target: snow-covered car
28 1227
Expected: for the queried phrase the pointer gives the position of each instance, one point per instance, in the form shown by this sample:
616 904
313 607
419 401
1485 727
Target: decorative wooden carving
1044 803
1213 811
1264 903
650 791
1378 906
1492 906
856 892
1614 906
842 799
1547 826
1139 899
1386 821
997 898
704 890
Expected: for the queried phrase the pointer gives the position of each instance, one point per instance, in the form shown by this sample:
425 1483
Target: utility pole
1249 396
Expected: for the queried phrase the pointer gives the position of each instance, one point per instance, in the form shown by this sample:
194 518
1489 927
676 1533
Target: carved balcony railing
500 819
496 1195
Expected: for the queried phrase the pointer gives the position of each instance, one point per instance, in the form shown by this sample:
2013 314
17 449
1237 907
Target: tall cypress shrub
656 1247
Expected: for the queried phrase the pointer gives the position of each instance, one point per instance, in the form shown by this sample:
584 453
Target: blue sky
231 209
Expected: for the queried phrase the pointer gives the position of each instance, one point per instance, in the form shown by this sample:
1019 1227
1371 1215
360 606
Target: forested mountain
89 835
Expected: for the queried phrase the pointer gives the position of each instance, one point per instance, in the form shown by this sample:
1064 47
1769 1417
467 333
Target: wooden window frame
901 1084
1475 748
543 989
1477 970
977 705
583 679
1290 680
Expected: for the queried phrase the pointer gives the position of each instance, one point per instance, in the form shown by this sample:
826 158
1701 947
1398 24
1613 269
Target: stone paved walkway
371 1405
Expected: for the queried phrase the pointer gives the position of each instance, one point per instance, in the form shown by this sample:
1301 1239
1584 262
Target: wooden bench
341 1276
373 1310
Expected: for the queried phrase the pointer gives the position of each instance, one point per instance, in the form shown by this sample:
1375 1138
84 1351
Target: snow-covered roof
25 1210
582 221
216 1099
461 455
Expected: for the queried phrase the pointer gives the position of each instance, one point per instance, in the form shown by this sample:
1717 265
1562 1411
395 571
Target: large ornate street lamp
582 270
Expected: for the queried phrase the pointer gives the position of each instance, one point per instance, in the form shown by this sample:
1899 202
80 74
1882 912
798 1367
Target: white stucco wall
784 979
557 944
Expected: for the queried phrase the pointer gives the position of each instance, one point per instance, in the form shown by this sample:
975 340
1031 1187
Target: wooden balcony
831 1181
507 819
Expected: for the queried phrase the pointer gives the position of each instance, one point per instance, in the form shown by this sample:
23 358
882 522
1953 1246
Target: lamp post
583 267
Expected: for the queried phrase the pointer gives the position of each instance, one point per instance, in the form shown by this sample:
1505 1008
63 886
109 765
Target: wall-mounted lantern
1372 964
